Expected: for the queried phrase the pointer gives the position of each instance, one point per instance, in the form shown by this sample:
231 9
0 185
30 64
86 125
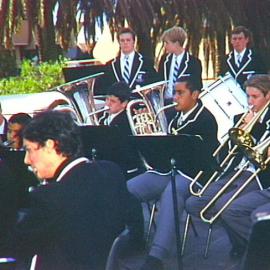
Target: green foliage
7 63
33 78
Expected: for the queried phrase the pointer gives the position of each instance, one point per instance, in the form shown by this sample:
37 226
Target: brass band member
71 222
243 61
177 62
191 118
129 66
258 90
16 124
117 99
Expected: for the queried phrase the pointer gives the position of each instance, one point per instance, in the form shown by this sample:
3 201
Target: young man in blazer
129 66
192 118
243 61
117 99
70 222
258 90
177 62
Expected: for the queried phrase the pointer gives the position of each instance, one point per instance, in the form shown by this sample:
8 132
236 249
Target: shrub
33 78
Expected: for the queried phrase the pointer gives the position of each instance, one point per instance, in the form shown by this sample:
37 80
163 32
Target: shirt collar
185 116
178 58
69 166
130 56
241 53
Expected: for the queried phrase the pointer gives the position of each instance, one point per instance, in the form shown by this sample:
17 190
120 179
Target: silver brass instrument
153 95
142 118
239 136
82 98
256 155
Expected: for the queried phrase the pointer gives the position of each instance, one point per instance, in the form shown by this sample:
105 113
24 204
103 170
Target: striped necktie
126 70
175 71
238 59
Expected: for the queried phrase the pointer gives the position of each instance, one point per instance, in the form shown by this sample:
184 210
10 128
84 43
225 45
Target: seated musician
71 222
117 99
258 91
191 118
16 124
13 152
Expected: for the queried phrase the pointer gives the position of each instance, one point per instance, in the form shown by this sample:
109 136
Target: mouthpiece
6 144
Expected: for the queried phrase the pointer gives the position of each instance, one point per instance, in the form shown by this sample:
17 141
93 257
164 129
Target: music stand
165 153
74 73
109 143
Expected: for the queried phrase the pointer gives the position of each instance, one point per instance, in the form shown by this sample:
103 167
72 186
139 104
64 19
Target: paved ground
193 259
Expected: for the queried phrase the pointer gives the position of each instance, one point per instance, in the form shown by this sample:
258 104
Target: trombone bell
239 137
258 154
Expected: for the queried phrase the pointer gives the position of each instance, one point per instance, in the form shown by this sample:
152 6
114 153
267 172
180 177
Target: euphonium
153 95
142 118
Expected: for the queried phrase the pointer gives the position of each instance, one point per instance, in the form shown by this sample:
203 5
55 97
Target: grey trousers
195 204
150 186
239 217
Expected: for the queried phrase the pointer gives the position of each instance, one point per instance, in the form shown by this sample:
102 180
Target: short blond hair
259 81
175 34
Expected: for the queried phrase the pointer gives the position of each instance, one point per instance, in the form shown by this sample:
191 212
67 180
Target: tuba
81 94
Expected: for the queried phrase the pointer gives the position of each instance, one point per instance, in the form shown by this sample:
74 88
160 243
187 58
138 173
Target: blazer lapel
184 64
245 61
231 63
117 69
136 67
167 66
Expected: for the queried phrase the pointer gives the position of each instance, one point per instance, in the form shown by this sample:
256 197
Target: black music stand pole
186 154
176 215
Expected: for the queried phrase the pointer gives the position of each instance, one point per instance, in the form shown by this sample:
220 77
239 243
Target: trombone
239 136
256 155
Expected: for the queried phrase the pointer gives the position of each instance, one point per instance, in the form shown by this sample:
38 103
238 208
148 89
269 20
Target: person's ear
195 94
50 144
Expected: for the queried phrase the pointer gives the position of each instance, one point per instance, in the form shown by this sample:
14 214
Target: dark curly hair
57 126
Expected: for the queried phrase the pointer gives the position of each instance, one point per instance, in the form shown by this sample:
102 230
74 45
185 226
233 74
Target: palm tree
207 22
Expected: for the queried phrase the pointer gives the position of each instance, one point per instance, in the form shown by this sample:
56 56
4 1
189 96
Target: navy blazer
120 121
130 159
71 224
142 72
190 66
251 64
199 157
